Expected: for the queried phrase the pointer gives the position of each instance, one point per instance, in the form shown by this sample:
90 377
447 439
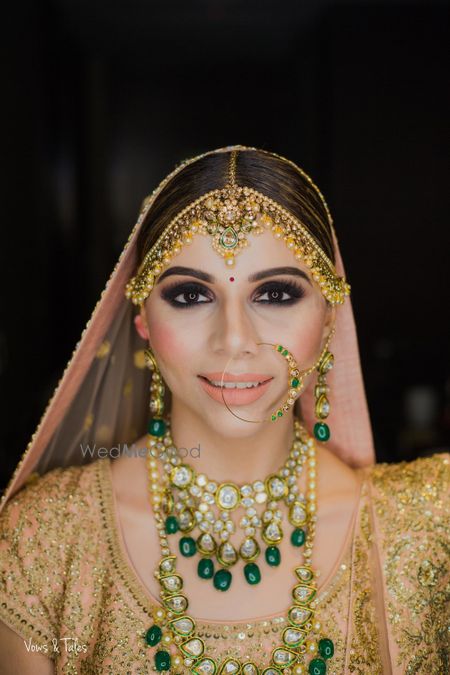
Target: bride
201 493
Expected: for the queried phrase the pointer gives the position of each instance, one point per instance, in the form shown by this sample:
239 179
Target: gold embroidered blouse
67 587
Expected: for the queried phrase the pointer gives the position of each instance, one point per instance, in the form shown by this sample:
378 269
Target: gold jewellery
228 216
296 383
196 505
304 647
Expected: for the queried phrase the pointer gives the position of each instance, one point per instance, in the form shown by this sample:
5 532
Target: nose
234 332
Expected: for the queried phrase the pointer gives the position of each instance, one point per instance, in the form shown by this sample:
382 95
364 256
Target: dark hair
258 169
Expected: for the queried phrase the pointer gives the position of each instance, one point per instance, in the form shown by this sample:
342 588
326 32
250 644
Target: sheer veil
102 396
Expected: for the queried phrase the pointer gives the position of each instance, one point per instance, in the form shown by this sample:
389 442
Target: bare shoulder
17 659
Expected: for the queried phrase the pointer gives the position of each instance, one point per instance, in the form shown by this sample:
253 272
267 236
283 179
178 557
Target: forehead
263 251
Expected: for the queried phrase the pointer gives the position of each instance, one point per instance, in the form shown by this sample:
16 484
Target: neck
239 458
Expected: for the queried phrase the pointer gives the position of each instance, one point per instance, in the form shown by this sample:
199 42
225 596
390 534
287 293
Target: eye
279 293
186 295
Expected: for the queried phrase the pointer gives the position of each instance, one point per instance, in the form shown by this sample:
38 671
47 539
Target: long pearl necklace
304 648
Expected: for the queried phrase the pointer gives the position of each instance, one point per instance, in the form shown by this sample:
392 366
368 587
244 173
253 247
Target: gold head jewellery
296 380
228 215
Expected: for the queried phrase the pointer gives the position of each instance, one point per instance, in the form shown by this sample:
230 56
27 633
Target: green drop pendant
252 573
157 427
298 537
273 556
171 525
187 546
205 568
322 431
162 661
326 648
222 580
153 635
317 667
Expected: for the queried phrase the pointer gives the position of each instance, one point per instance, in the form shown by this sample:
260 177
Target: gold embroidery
88 421
104 349
62 574
412 504
128 387
364 653
139 359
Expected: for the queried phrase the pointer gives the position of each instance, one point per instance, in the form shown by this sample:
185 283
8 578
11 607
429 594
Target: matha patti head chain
228 216
190 504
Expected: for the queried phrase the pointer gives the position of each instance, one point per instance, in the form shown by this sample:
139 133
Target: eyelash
170 293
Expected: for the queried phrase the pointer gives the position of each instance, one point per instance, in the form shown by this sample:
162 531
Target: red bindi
231 278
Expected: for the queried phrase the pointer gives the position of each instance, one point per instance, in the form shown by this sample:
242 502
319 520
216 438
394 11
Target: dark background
100 100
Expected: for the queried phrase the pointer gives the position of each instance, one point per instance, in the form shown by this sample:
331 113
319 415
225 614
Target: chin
224 423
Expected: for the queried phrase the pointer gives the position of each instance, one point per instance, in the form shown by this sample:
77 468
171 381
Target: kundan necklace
195 504
304 648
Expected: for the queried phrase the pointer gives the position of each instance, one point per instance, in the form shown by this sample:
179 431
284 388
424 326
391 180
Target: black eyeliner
296 291
169 293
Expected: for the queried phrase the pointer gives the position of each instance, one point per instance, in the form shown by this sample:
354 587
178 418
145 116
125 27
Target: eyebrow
258 276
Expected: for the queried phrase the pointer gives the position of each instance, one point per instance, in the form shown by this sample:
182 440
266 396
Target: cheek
307 341
167 341
175 345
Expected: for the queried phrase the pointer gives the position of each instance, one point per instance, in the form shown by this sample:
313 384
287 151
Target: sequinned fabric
67 589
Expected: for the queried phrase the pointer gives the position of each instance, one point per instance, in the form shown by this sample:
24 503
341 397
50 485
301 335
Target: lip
236 396
242 377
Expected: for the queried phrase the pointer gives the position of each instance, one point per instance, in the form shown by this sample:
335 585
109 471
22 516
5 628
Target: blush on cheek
166 341
307 344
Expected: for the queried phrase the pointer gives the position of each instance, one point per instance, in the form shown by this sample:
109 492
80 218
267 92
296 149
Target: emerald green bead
326 648
295 382
162 661
205 568
279 413
157 427
322 431
280 348
274 417
252 573
285 352
187 546
222 580
171 525
298 537
317 667
153 635
273 556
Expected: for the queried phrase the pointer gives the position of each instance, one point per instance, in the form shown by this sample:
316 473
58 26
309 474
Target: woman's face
210 317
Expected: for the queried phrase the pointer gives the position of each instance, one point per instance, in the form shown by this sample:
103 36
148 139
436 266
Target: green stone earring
322 405
156 426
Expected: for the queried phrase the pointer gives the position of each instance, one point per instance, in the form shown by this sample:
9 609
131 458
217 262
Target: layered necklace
185 501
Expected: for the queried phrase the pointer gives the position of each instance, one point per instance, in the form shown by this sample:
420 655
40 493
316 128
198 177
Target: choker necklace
193 502
304 648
